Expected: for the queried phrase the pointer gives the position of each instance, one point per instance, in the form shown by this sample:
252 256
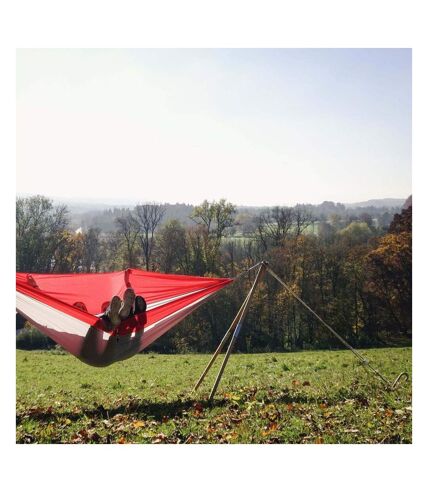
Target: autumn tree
68 256
354 275
402 222
389 281
111 257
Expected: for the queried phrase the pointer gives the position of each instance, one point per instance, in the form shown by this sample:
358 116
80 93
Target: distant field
309 397
240 238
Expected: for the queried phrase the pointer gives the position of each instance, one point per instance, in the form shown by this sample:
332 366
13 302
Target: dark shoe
128 302
140 305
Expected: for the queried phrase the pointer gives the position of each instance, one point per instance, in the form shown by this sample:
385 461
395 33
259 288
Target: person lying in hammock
118 310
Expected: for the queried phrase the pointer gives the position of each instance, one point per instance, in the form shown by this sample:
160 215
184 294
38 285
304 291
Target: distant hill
79 207
103 216
408 203
378 203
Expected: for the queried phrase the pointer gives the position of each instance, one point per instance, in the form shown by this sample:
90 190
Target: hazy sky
258 127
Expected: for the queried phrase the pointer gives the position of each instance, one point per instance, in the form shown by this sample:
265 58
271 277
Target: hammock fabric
50 302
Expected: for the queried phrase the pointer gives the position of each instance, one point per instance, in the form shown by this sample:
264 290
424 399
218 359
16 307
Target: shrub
29 338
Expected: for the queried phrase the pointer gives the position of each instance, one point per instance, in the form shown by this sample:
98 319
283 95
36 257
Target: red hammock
48 302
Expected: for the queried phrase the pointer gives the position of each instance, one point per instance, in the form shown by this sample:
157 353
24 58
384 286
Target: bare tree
302 219
129 230
273 226
148 217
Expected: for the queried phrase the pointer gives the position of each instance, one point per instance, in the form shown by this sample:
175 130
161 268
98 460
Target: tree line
354 274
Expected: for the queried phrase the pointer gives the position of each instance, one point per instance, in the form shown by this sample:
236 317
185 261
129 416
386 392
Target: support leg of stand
242 315
222 343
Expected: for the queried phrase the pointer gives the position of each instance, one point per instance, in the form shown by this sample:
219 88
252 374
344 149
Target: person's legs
119 310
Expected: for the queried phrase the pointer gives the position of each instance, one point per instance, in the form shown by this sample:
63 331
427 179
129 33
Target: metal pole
241 318
222 343
227 334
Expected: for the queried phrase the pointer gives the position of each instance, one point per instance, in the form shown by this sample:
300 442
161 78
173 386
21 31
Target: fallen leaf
159 438
272 426
28 438
94 436
198 406
83 433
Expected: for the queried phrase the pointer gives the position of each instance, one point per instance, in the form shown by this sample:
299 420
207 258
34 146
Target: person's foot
140 305
128 302
113 311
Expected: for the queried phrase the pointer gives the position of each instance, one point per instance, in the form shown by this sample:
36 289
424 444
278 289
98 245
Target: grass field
308 397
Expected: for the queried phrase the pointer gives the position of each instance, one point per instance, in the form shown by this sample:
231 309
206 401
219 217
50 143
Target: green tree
213 218
356 233
91 251
171 248
40 231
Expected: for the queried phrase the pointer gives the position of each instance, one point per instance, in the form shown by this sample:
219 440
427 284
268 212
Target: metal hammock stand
236 326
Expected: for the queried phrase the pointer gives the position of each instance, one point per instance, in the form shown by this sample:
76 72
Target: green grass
309 397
